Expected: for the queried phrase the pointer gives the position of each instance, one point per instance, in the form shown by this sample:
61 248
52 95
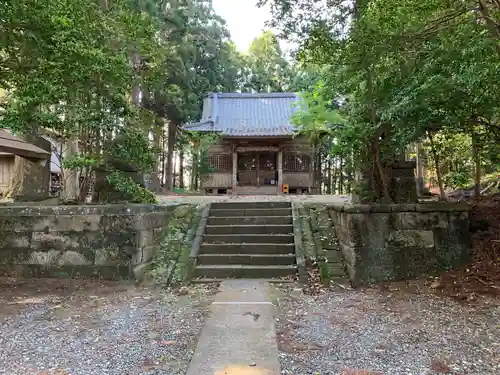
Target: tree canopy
83 72
406 71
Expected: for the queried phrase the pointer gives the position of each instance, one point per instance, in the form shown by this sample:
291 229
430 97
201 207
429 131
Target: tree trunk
476 154
329 175
181 169
442 193
341 176
172 130
136 86
489 14
70 188
420 170
163 157
383 177
335 178
157 135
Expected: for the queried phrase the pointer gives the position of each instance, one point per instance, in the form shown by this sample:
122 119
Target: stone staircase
247 240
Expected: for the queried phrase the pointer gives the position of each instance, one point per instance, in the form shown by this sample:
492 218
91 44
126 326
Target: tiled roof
247 114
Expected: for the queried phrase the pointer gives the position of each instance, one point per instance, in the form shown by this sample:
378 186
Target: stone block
349 254
15 240
151 220
44 258
66 223
412 238
112 256
139 271
396 245
442 207
83 241
418 220
74 258
15 255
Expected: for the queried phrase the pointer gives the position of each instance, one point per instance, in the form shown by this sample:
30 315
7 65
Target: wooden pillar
280 172
312 171
235 170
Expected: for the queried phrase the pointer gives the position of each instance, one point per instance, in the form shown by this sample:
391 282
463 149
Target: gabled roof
247 114
17 146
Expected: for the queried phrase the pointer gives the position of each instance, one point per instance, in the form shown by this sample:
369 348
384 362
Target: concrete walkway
239 337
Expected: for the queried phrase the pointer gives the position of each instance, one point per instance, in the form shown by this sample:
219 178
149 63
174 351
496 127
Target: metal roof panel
248 114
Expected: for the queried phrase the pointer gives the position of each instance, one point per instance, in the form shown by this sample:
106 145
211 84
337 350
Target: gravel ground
396 329
85 328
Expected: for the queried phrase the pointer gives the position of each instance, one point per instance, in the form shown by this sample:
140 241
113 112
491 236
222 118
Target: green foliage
133 191
79 161
132 148
404 69
170 263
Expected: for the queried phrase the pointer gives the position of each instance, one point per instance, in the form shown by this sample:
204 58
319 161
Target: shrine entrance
257 169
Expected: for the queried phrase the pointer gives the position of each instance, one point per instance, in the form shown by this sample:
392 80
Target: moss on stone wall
171 259
108 241
320 243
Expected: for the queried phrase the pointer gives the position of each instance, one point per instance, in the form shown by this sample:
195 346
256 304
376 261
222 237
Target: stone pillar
403 188
420 172
235 171
280 172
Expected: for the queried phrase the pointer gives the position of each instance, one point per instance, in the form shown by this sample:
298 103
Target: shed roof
247 114
17 146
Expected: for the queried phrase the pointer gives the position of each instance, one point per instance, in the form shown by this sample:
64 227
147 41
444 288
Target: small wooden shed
257 151
10 147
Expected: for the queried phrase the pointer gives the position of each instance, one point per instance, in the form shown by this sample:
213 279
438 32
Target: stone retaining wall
395 242
108 241
320 242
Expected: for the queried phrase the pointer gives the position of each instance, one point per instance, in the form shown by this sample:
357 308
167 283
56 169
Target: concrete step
247 248
250 220
247 259
249 229
248 238
238 212
276 280
250 204
243 271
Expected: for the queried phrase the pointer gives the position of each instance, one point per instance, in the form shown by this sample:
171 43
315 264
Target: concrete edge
399 207
299 250
121 209
195 248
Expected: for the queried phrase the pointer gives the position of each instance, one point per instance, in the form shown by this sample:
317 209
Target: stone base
108 241
396 242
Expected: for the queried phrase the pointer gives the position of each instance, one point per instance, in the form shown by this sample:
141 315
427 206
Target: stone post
280 172
420 171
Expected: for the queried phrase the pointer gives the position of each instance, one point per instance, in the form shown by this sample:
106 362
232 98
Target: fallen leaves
482 275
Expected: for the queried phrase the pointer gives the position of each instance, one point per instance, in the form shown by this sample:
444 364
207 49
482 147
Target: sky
245 20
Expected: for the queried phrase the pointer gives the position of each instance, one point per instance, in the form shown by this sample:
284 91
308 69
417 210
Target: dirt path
399 329
56 327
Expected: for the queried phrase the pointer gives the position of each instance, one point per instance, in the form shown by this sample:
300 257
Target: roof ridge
252 95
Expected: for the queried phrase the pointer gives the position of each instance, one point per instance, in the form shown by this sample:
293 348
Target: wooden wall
6 165
217 180
291 147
